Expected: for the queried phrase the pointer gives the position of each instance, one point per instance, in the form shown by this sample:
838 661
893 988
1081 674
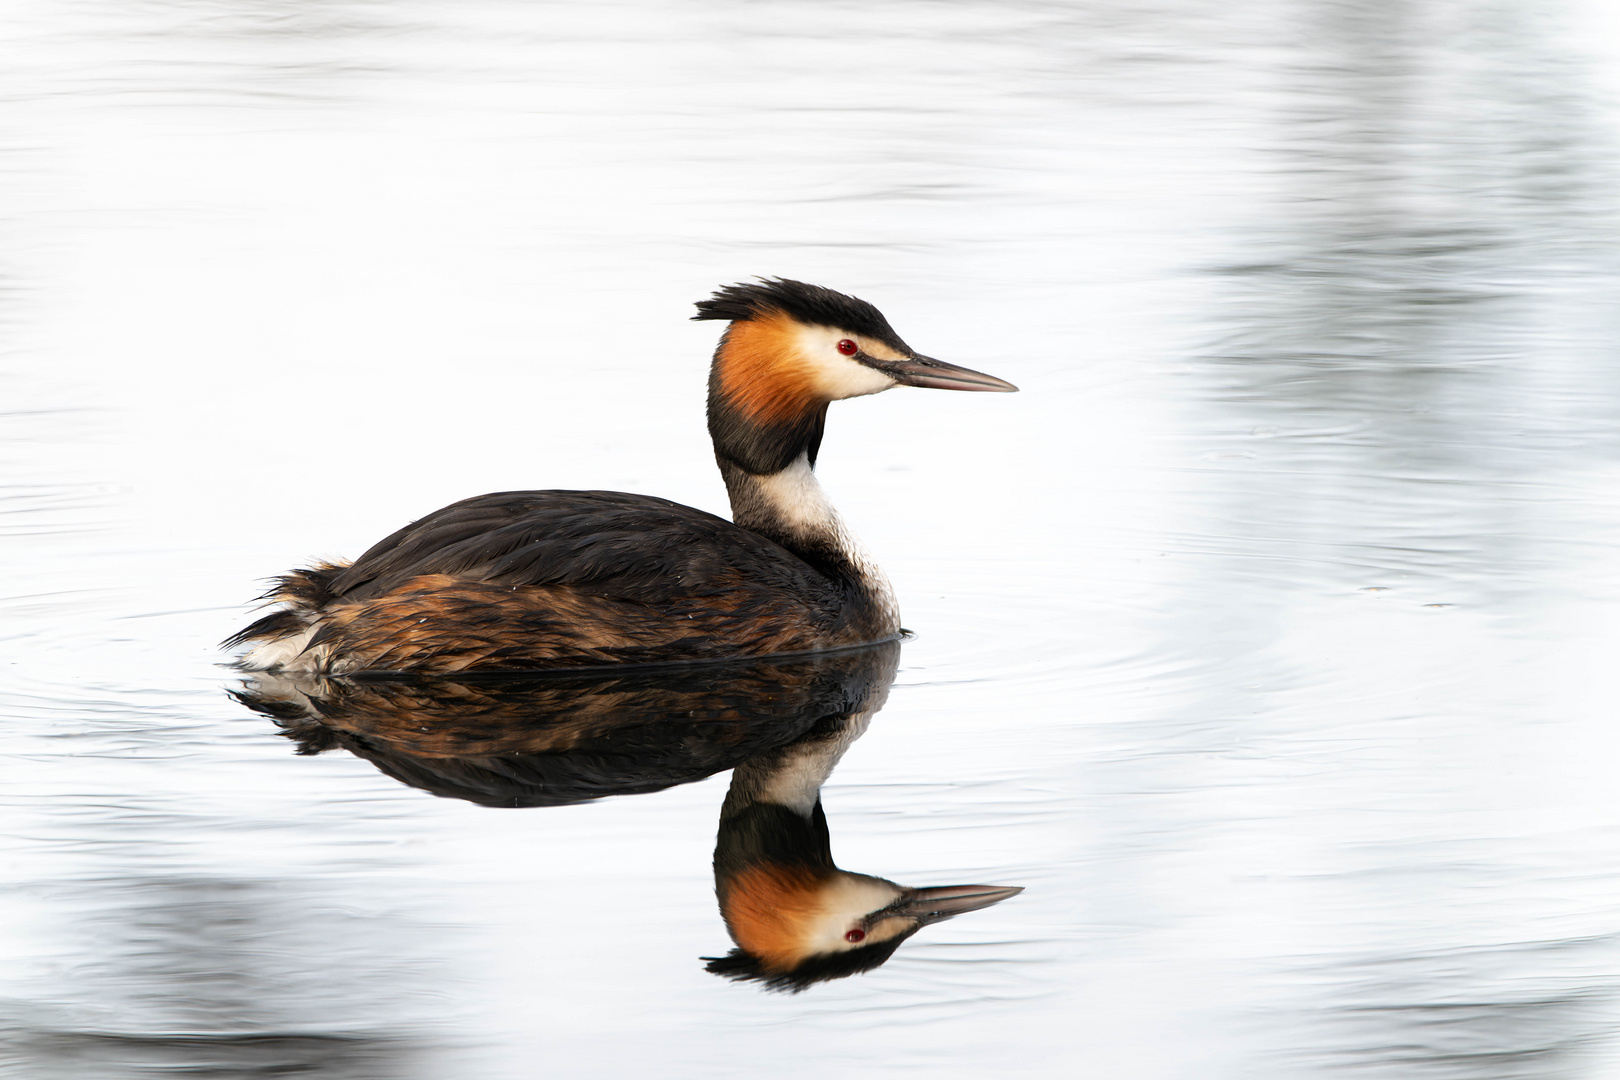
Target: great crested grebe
556 579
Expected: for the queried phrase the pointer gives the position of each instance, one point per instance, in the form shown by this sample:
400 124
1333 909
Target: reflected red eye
848 348
854 935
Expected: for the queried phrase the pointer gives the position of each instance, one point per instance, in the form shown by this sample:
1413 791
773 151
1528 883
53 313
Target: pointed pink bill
938 375
931 905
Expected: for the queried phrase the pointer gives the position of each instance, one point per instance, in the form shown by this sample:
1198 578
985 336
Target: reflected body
550 740
557 579
559 738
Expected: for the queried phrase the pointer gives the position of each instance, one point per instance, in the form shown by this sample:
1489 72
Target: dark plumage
524 580
558 738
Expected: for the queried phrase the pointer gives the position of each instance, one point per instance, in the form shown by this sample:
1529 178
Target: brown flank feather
439 623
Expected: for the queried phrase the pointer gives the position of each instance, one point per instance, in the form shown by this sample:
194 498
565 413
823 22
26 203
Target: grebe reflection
781 724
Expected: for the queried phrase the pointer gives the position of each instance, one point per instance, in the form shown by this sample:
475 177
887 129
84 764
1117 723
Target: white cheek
843 902
850 379
836 376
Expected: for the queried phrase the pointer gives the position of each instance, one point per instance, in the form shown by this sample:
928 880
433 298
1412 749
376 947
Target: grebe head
796 926
791 349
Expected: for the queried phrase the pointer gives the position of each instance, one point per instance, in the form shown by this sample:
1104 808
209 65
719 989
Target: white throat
800 503
795 777
797 505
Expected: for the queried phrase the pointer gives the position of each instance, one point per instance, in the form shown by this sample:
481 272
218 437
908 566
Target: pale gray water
1267 637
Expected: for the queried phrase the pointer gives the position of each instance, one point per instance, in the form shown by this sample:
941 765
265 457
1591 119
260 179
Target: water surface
1266 637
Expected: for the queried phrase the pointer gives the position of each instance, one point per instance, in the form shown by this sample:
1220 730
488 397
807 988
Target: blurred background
1267 637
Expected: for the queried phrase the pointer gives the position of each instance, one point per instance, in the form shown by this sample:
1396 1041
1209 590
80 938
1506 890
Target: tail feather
274 625
304 592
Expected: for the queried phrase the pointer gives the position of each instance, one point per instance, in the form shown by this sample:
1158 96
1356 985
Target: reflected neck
772 813
790 777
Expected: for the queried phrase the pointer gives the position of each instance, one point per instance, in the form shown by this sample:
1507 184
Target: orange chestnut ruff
763 373
767 908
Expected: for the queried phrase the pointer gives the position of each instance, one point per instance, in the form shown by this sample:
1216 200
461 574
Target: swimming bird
796 917
558 579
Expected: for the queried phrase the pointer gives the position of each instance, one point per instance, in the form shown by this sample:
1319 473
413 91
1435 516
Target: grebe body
554 579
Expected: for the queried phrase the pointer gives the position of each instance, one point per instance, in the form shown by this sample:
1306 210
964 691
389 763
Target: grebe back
525 580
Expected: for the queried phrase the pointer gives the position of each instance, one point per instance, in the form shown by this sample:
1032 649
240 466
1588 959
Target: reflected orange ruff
767 907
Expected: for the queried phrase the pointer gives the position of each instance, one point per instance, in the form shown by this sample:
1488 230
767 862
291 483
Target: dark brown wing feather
635 548
526 579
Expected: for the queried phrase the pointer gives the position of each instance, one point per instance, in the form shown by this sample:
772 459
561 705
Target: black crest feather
744 966
810 304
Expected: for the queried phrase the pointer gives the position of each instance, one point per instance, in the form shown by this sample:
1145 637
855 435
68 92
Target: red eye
854 935
849 348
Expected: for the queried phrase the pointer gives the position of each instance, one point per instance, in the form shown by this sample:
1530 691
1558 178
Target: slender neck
853 686
772 827
790 508
791 776
772 813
